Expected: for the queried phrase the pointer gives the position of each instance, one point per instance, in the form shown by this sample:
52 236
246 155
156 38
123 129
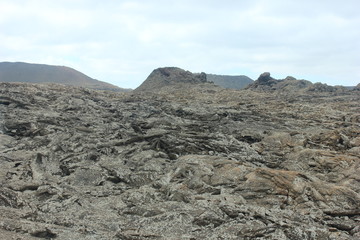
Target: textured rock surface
200 163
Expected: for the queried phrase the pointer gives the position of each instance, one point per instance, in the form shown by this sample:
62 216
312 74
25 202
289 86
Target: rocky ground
195 162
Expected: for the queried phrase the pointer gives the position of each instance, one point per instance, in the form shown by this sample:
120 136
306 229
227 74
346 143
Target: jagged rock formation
321 87
232 82
266 83
170 77
194 163
265 78
41 73
290 85
357 87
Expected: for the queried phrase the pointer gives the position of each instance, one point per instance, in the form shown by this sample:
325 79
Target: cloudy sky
121 42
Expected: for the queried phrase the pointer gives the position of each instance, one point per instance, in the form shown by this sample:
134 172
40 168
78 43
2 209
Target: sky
121 42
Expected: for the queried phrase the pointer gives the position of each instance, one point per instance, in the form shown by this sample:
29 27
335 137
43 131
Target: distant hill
41 73
226 81
170 76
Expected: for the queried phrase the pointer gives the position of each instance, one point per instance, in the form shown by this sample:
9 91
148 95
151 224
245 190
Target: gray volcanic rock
232 82
291 85
188 163
357 87
264 82
321 87
265 78
41 73
170 76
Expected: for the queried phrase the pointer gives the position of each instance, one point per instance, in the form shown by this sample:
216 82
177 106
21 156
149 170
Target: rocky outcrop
291 85
227 81
321 87
199 163
41 73
264 82
170 76
265 78
357 87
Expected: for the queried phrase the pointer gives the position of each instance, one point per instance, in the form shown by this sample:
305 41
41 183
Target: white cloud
122 41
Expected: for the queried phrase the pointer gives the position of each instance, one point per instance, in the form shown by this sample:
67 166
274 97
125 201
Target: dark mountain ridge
228 81
42 73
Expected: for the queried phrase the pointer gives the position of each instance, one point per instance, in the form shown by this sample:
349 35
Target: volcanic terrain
180 158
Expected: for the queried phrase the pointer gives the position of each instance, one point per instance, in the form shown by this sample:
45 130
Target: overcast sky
121 42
